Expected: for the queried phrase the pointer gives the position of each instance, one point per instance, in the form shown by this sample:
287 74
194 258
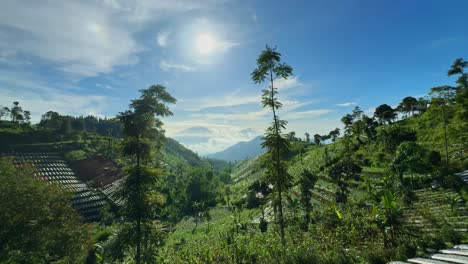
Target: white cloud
347 104
163 38
291 82
224 45
308 114
370 111
39 98
85 38
226 118
220 137
167 66
79 37
141 11
228 100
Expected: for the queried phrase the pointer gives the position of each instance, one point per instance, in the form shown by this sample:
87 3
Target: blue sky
92 57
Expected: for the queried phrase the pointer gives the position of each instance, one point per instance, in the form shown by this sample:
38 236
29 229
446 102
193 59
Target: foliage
269 68
341 173
67 124
392 136
387 215
410 157
142 199
38 224
408 105
307 182
384 113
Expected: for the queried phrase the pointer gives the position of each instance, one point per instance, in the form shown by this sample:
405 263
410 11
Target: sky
92 57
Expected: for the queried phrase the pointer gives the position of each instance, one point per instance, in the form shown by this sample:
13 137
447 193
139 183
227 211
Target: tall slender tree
443 96
142 134
458 68
270 68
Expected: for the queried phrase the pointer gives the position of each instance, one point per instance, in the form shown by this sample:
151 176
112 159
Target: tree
65 127
347 120
50 120
410 157
334 134
358 129
393 136
307 182
38 224
78 124
341 173
307 136
385 113
141 128
317 139
357 113
457 68
270 68
27 117
16 113
369 126
442 96
408 104
292 136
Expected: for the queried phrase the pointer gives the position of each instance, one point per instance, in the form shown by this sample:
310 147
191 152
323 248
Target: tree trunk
278 168
138 216
445 138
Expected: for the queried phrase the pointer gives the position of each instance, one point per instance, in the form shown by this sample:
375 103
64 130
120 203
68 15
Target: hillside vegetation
382 189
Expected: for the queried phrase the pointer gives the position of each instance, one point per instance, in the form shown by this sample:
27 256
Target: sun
205 43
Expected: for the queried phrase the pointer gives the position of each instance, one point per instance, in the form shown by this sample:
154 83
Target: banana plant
386 215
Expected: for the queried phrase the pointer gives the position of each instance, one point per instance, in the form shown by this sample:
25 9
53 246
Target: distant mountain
240 151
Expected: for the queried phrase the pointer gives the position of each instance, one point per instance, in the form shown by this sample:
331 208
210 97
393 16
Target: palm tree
270 68
458 67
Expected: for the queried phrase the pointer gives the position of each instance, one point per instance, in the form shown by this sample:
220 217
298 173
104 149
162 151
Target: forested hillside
383 188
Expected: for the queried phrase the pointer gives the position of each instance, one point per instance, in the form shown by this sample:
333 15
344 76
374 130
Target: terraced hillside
432 211
52 168
437 209
457 254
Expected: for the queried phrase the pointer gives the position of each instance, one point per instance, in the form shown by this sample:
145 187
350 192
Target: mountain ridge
240 151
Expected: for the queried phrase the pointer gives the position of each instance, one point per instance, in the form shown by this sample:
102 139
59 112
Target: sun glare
205 43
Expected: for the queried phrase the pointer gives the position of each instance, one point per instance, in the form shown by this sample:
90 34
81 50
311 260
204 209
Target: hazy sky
92 57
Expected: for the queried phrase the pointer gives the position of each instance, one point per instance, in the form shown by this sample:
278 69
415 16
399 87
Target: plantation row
52 168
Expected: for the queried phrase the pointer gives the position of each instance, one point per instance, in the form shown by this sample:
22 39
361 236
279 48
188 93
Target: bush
38 224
